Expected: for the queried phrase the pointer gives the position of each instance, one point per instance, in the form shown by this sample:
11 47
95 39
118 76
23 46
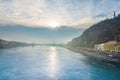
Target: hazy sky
38 14
39 35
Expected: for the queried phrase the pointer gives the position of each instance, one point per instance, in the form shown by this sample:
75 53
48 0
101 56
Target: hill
10 44
104 31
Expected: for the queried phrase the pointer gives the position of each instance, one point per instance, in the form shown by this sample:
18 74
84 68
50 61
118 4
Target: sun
53 24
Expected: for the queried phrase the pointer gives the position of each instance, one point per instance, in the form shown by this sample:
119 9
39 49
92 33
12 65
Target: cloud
86 22
38 13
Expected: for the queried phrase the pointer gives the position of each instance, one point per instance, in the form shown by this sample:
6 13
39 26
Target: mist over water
52 63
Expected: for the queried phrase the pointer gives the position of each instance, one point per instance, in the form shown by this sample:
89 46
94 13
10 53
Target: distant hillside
10 44
101 32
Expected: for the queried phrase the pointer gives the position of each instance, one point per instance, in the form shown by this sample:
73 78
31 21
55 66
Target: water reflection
53 65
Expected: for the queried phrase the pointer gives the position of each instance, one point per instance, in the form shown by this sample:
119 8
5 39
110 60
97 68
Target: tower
114 14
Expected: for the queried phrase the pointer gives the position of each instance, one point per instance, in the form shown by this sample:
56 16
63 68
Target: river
52 63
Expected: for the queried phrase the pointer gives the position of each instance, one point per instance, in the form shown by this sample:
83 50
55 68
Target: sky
39 35
47 20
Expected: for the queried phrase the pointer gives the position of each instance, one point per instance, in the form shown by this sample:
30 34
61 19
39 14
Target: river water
52 63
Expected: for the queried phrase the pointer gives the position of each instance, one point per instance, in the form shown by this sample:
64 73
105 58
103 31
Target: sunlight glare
53 62
53 24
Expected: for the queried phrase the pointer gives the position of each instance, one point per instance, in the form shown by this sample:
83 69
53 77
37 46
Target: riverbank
4 44
8 46
94 54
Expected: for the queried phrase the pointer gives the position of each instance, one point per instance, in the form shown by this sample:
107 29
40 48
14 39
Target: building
111 46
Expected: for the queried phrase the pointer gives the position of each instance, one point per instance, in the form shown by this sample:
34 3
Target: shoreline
97 55
8 47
